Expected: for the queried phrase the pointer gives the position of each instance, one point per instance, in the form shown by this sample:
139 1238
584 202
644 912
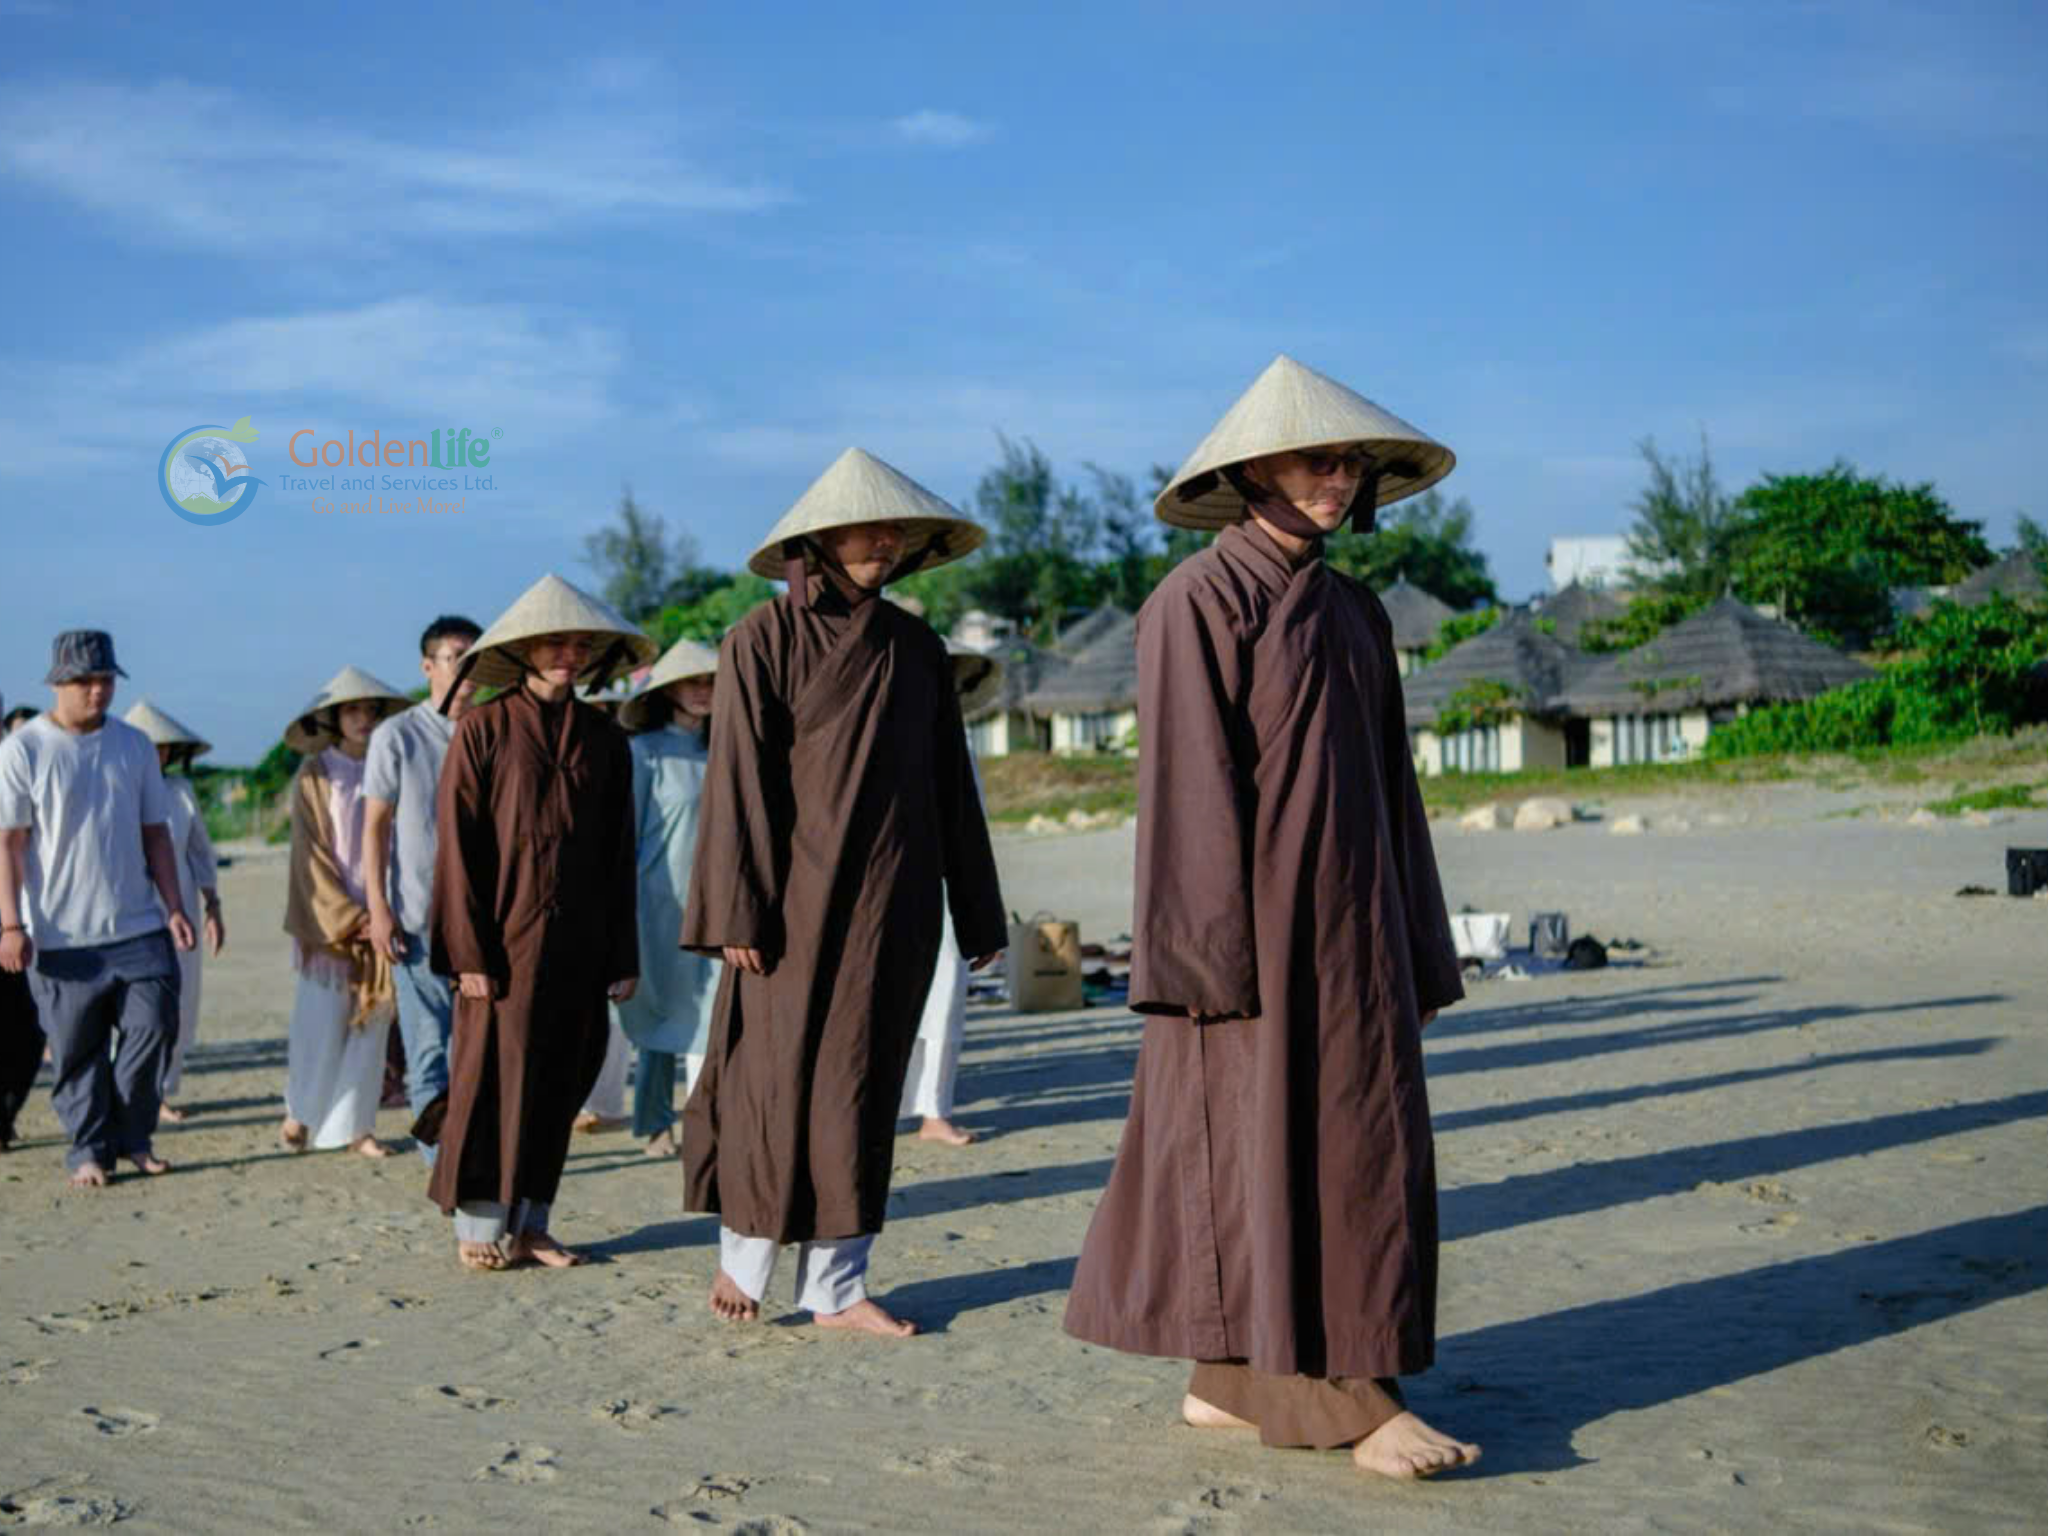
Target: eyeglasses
1323 461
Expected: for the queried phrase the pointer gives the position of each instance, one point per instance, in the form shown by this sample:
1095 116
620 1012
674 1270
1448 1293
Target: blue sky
703 249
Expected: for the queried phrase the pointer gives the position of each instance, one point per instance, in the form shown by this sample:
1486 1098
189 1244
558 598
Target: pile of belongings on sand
1482 940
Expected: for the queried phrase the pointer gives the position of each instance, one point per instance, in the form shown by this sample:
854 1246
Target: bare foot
292 1135
664 1144
480 1255
731 1304
938 1128
541 1249
150 1163
1201 1415
88 1176
1404 1446
866 1317
370 1146
170 1114
589 1123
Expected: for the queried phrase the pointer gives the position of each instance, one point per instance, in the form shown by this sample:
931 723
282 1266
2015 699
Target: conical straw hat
1291 407
551 606
163 731
685 659
314 729
860 488
977 677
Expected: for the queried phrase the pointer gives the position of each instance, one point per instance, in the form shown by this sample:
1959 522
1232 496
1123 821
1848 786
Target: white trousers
333 1075
830 1276
188 1015
607 1100
935 1057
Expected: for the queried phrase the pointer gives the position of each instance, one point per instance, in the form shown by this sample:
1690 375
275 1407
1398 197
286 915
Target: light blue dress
670 1010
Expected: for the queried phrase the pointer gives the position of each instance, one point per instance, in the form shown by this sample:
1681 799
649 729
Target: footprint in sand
20 1373
469 1397
1217 1508
1769 1191
516 1463
58 1322
635 1417
351 1352
948 1463
1771 1226
72 1509
121 1422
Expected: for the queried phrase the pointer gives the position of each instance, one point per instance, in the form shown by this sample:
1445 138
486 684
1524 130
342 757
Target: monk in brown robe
838 798
1272 1211
533 915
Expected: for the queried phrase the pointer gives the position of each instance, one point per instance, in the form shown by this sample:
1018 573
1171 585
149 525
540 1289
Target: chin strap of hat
1363 513
602 673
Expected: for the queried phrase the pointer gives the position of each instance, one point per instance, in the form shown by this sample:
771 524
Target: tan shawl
320 913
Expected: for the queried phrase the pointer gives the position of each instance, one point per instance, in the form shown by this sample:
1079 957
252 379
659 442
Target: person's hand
385 937
752 961
16 951
216 932
475 984
1429 1018
181 932
985 961
622 991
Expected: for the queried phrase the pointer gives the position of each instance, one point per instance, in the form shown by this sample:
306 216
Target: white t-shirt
85 800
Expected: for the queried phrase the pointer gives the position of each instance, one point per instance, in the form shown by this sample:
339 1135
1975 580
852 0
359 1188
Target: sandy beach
1748 1231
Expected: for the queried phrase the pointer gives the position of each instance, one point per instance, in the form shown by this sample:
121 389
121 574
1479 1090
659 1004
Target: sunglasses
1321 461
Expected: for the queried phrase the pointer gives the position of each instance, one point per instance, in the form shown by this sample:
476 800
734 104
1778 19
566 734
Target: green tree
2034 544
710 615
1686 534
1647 616
640 568
1827 549
1427 541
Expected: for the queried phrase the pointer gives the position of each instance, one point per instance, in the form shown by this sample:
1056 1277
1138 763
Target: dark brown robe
534 887
839 794
1274 1197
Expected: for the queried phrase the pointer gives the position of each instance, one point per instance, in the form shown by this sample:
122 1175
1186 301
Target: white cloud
405 363
194 166
946 130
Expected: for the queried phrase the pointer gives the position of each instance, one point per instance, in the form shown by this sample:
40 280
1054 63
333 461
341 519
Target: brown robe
534 887
1274 1196
839 794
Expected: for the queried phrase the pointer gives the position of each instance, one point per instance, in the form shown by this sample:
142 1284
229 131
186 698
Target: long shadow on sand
1608 1098
933 1304
235 1056
1525 1389
1584 1187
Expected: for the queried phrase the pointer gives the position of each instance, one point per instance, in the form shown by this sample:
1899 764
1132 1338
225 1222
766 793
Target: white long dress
334 1075
197 871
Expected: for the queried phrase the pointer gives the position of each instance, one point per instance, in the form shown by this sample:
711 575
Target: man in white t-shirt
82 842
401 781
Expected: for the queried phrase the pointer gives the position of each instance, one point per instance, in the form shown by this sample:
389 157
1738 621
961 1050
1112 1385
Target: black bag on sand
1585 954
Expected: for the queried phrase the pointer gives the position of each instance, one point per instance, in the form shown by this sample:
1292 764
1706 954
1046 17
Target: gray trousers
124 993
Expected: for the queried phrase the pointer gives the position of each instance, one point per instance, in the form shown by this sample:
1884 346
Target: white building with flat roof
1595 561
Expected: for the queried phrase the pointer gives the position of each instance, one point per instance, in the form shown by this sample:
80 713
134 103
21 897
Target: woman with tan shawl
345 1003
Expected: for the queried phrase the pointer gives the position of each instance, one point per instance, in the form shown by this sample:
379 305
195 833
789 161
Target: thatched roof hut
1089 628
1727 653
1102 677
1572 609
1514 652
1417 615
1026 668
2016 577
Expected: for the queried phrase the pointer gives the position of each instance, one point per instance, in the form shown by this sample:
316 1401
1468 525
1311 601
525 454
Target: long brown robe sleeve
742 855
463 937
1195 952
973 893
1274 1195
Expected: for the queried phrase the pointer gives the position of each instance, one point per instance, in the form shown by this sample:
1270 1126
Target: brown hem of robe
1309 1412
